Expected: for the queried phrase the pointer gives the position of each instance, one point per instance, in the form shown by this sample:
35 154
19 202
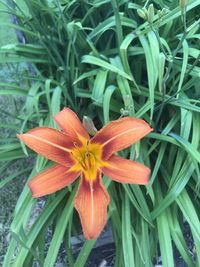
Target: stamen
86 159
75 144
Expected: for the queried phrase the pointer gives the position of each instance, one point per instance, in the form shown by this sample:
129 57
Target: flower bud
89 125
164 11
124 112
150 13
159 13
142 12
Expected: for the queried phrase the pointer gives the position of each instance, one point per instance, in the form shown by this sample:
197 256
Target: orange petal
51 180
120 134
91 203
50 143
126 171
68 121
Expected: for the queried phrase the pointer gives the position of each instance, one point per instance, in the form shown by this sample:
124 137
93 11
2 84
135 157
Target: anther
75 144
87 154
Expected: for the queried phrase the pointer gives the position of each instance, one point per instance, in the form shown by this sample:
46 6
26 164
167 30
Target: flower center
88 159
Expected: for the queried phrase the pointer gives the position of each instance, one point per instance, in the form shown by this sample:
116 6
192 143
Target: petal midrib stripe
49 143
118 135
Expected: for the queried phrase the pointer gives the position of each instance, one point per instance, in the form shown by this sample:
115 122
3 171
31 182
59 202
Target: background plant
105 59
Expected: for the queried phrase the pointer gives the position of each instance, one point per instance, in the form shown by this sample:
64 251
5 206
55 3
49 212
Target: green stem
118 22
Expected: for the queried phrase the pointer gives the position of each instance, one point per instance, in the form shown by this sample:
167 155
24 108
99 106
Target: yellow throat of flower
88 160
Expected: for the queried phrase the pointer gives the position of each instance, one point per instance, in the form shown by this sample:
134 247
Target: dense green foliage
103 60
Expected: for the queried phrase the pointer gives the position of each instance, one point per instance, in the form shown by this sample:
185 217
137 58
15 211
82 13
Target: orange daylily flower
75 154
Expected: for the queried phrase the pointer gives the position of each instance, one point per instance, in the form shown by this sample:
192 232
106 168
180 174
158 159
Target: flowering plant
75 154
